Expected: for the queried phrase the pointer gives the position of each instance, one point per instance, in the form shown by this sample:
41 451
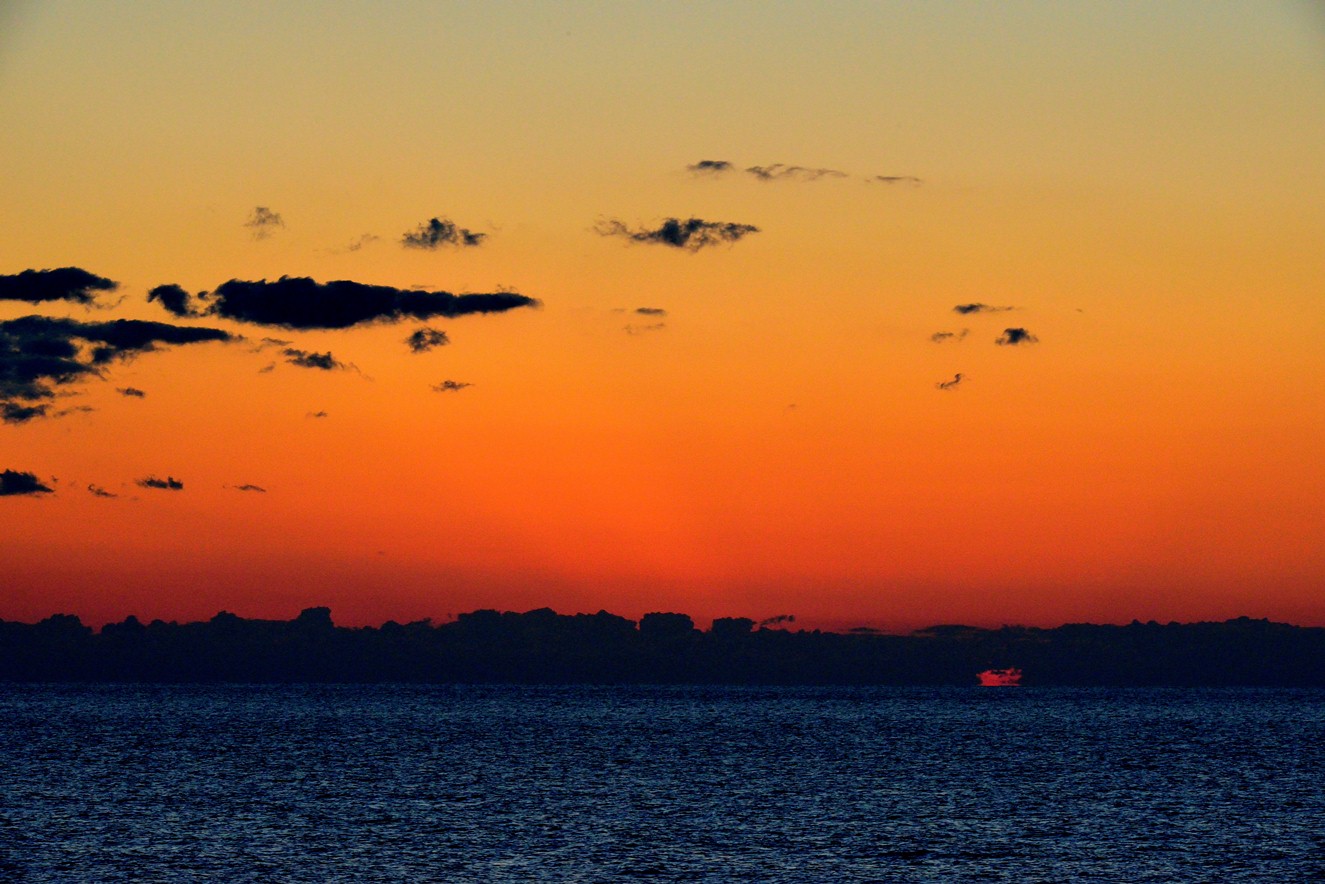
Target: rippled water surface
395 783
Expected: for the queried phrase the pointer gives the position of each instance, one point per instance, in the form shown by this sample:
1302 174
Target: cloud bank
40 353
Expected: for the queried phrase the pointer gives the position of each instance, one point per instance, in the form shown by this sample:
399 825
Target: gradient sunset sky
777 409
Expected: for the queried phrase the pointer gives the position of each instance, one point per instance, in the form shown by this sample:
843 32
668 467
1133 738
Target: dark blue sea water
404 783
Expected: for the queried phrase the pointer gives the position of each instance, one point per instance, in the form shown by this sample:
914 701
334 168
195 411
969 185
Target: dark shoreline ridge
543 647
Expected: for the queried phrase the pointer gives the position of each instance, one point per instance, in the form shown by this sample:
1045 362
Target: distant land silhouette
543 647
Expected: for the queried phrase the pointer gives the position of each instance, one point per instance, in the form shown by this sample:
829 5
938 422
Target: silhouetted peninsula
544 647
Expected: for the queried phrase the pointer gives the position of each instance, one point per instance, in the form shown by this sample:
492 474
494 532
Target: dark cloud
169 483
438 232
692 234
173 298
650 311
98 491
40 353
424 339
316 414
893 179
952 384
302 303
61 284
1013 336
12 482
263 221
450 386
947 337
257 488
710 167
967 309
306 359
779 619
13 413
642 329
781 172
133 392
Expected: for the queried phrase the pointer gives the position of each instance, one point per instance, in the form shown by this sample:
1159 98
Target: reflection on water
239 783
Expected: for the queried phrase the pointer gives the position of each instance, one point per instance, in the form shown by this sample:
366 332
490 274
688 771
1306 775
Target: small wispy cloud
947 337
437 232
307 359
644 329
257 488
98 491
131 392
782 171
358 243
170 483
967 309
650 311
952 384
263 222
424 339
1011 337
450 386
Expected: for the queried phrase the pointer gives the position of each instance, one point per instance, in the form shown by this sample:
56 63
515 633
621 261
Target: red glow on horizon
1000 678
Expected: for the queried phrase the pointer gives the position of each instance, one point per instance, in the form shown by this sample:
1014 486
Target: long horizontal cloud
779 171
61 284
692 234
40 353
13 482
786 172
301 303
967 309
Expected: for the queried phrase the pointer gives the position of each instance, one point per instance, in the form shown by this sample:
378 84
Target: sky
876 314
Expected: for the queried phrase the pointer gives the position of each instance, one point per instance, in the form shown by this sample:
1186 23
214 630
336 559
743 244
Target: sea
376 783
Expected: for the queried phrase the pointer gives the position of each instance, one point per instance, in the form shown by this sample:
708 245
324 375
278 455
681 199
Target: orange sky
1141 184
